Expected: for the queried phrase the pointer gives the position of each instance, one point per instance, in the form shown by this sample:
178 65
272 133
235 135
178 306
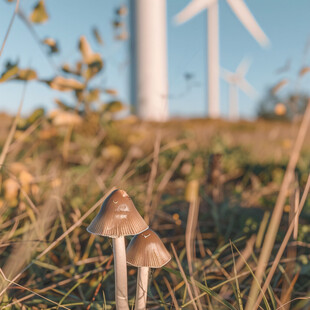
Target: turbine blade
227 75
247 88
247 19
193 8
243 67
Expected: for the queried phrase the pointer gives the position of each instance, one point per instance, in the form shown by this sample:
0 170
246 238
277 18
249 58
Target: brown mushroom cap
117 217
147 250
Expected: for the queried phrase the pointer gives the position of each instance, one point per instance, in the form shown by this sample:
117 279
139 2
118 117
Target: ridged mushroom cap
147 250
117 217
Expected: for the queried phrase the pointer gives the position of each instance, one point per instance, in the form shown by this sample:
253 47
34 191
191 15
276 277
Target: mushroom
146 251
117 218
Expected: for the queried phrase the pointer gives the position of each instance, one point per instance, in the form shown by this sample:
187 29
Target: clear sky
286 23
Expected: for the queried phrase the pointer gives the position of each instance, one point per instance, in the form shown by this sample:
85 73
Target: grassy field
227 175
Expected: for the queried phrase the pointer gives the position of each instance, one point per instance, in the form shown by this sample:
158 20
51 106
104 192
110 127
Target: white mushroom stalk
117 218
121 289
146 251
142 286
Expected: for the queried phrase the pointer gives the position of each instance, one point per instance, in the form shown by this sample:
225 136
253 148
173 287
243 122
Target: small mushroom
146 251
117 218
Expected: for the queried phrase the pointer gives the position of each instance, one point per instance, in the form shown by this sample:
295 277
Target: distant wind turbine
237 80
148 49
246 18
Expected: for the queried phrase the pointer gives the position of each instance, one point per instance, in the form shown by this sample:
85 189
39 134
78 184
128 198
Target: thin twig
10 26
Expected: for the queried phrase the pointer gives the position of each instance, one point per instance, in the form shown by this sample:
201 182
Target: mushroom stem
120 270
141 291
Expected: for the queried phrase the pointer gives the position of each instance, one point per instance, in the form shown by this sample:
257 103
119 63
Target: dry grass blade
53 244
283 244
262 229
190 235
288 292
64 282
287 287
298 298
23 251
192 301
239 297
190 232
174 300
27 289
226 291
253 275
176 162
10 26
296 203
12 130
123 168
150 186
24 135
278 210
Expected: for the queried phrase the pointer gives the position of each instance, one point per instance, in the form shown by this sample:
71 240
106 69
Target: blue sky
285 22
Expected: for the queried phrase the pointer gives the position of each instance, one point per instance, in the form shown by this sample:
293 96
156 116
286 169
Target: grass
54 178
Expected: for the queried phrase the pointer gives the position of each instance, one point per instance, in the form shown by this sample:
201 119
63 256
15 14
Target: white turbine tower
148 49
246 18
237 80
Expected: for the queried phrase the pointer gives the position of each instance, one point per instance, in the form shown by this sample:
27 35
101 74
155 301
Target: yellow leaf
62 84
114 106
93 95
85 49
93 60
39 14
26 75
11 71
35 115
65 118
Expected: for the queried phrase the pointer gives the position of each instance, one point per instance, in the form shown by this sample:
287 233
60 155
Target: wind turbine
148 49
246 18
237 80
